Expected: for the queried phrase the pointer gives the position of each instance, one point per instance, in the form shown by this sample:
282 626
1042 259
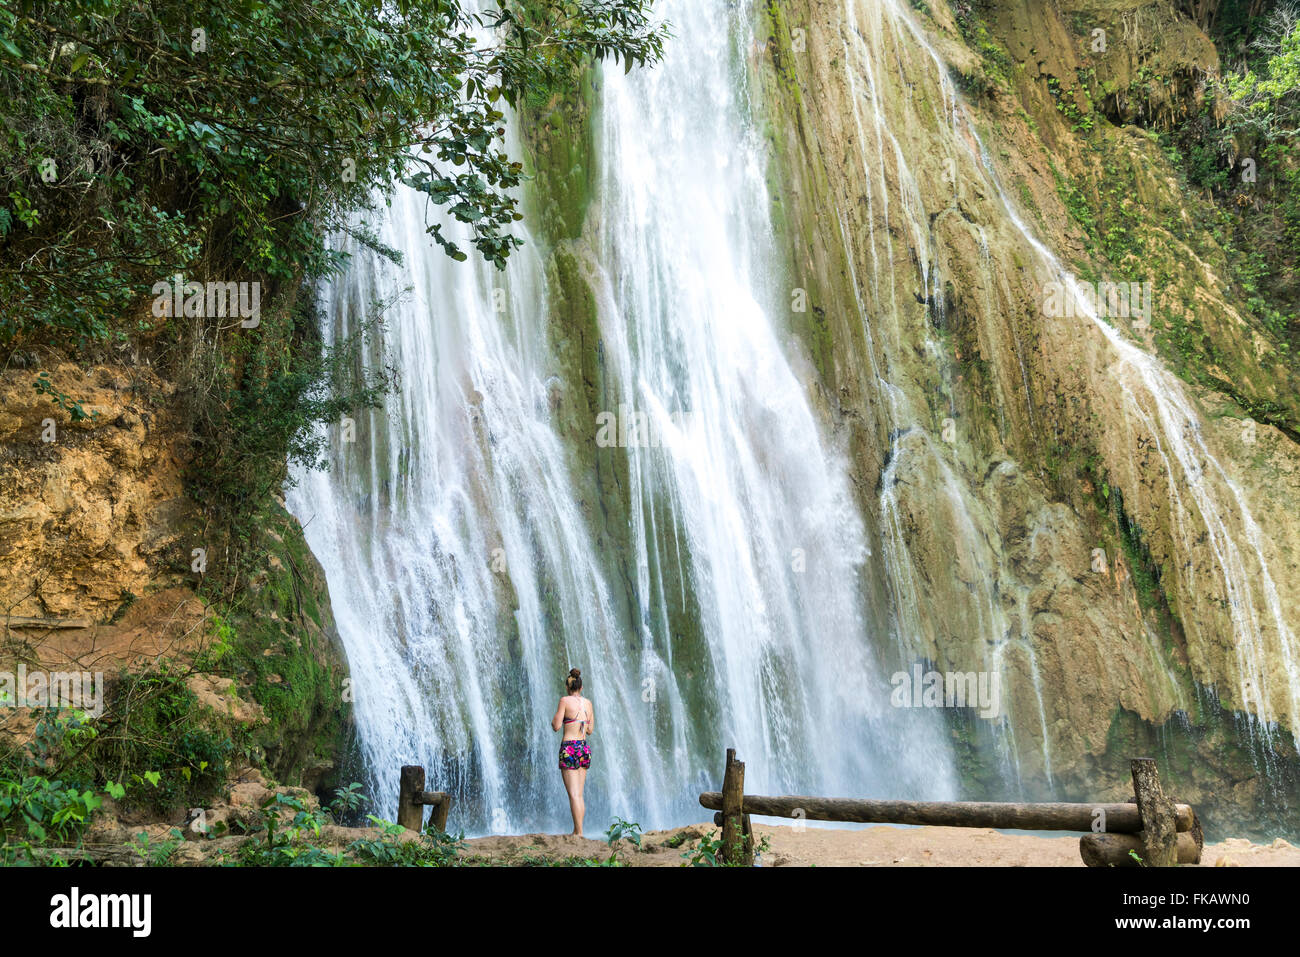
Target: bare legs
582 800
574 782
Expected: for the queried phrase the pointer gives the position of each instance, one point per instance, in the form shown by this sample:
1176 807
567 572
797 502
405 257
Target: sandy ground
866 847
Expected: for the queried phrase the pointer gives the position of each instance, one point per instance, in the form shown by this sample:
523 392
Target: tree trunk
1158 816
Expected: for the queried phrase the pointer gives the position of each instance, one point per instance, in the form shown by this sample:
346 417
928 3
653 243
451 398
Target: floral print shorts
574 755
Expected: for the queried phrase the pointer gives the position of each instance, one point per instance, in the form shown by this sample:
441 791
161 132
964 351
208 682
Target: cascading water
1205 501
464 561
461 564
450 536
871 44
773 541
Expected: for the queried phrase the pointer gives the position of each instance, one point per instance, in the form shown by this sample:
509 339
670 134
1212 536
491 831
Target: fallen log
1050 816
1113 850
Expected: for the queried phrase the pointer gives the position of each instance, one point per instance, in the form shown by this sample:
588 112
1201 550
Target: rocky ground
868 847
117 838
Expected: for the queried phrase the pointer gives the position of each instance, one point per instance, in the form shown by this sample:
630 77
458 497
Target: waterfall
1204 497
716 579
876 46
458 542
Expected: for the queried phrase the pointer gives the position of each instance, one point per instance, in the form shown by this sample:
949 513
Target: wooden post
410 813
735 848
440 803
1159 829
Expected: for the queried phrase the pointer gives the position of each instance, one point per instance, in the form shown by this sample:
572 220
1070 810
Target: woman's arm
591 717
558 721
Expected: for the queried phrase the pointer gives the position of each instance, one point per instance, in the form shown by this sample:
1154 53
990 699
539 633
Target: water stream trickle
456 531
727 605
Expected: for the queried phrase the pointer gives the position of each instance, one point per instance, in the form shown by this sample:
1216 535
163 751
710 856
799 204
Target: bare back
577 719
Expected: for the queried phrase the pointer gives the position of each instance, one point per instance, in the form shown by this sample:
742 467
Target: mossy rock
287 655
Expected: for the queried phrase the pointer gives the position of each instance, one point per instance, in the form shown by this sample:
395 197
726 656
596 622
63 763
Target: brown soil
869 847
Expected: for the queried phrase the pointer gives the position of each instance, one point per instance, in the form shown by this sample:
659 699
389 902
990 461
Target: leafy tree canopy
146 138
1272 95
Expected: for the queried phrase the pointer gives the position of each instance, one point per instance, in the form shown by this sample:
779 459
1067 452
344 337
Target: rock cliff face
105 561
1056 504
94 511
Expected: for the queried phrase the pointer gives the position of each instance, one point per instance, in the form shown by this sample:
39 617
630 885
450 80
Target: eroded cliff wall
1059 506
107 566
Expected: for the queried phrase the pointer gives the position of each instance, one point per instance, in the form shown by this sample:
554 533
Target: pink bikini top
583 719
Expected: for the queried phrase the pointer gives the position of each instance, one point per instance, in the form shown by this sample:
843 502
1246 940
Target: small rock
249 794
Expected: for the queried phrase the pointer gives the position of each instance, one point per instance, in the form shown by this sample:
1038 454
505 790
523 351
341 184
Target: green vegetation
144 139
37 803
708 852
150 734
52 783
155 727
622 830
1240 148
50 787
541 860
994 75
1081 121
1231 138
289 828
272 637
148 143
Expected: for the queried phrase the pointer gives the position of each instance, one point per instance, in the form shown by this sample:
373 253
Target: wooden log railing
1118 850
1160 832
1119 818
412 799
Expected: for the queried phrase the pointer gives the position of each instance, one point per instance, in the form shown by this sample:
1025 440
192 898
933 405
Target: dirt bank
867 847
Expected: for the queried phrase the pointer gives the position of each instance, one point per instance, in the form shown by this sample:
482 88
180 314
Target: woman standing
575 752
